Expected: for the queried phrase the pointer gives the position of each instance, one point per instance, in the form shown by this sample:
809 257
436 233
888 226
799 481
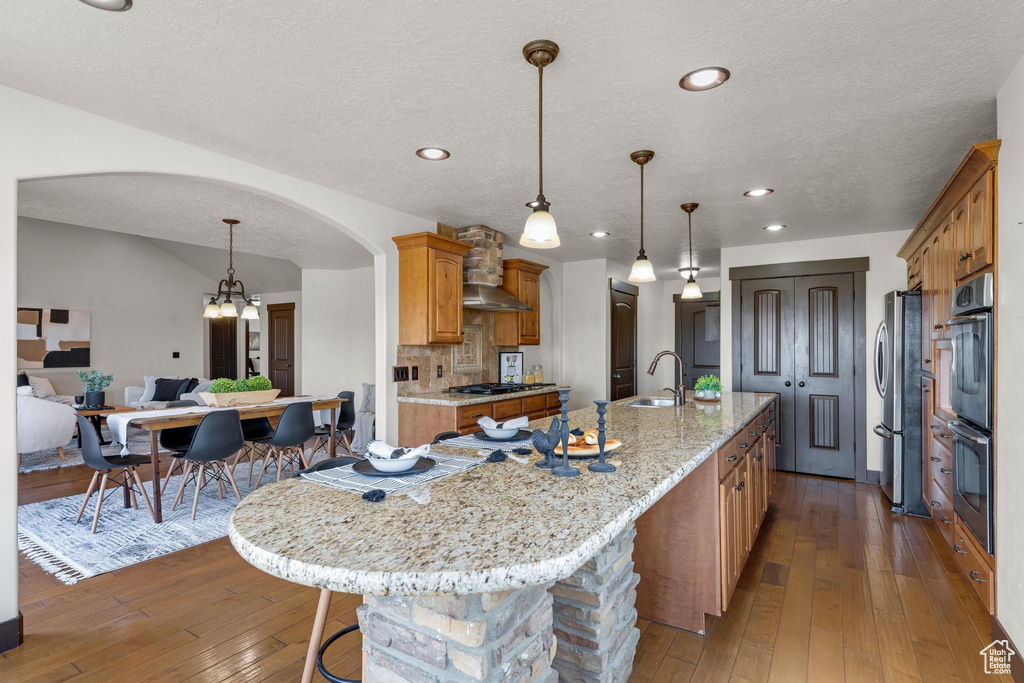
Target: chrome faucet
679 393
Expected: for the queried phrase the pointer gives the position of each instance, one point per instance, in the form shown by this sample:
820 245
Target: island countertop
446 398
494 527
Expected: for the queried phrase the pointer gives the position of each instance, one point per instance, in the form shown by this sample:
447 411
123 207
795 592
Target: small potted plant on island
708 388
94 382
226 392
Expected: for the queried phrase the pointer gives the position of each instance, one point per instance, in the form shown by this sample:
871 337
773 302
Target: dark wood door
824 400
223 348
697 339
766 346
281 344
623 324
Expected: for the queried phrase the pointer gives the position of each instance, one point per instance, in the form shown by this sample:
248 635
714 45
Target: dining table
192 416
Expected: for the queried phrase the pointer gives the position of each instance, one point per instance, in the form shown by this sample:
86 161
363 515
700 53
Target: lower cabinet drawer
553 402
729 456
941 465
468 415
512 407
942 511
981 577
533 404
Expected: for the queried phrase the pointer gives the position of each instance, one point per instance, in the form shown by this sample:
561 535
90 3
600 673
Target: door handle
962 435
616 376
788 383
800 384
883 431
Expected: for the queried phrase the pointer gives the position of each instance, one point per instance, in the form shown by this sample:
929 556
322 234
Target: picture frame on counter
510 367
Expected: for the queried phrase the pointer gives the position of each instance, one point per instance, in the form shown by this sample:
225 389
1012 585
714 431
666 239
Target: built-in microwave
972 325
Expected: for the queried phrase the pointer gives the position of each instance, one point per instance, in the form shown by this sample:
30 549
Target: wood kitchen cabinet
418 423
981 209
429 289
521 279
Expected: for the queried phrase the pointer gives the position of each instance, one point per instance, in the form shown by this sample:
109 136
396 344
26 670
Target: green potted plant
94 382
226 392
708 387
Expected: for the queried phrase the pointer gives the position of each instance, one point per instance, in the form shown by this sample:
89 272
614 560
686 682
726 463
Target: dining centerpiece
231 393
94 382
707 389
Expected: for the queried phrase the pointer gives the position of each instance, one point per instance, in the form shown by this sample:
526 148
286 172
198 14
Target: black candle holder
565 469
601 465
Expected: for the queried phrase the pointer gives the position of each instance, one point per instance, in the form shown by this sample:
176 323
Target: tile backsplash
427 358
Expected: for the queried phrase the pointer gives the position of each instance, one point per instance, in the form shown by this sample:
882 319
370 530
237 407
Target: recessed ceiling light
432 153
758 192
774 228
600 233
110 5
704 79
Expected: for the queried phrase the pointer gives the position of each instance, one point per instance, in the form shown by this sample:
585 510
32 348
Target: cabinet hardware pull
934 503
934 459
945 471
934 428
753 433
936 327
759 458
927 360
974 575
737 487
743 445
926 389
943 435
731 458
477 415
945 519
959 549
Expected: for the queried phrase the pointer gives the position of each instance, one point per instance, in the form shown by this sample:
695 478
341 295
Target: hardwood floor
836 589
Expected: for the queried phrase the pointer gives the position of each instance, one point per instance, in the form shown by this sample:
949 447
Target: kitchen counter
444 398
505 559
494 527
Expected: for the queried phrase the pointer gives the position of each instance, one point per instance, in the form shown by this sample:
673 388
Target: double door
797 340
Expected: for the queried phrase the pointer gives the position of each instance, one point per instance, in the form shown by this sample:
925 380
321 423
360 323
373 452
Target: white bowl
396 465
500 433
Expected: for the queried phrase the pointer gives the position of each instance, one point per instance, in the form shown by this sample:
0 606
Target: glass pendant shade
212 310
642 271
691 290
250 312
228 310
540 231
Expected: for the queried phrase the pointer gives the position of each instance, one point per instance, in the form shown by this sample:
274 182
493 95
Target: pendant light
642 270
230 286
540 231
691 290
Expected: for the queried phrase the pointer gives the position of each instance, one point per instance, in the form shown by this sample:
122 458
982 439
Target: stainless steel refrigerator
897 354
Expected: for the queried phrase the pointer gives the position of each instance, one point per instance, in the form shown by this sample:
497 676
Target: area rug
50 460
49 537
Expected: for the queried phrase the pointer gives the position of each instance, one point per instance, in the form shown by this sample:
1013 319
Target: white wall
1010 366
888 272
144 304
337 331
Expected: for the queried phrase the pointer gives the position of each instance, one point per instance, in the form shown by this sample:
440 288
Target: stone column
504 636
595 616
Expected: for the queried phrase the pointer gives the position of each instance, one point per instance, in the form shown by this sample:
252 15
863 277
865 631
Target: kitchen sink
652 403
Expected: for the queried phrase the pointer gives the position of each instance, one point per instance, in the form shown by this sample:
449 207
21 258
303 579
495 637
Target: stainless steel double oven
972 383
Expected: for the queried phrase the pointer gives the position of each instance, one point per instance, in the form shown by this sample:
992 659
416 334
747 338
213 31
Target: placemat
470 441
349 480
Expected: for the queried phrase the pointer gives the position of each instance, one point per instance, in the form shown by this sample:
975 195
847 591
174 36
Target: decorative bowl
500 433
395 465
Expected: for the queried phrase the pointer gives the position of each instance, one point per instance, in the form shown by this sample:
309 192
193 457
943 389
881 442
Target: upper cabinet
980 209
521 279
429 289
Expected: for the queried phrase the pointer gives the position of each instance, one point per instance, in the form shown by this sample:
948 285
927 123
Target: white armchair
43 425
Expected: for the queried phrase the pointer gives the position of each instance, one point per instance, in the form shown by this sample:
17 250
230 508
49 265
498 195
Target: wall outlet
440 371
415 372
401 373
175 354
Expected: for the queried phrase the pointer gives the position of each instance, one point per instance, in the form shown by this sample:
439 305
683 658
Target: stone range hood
482 271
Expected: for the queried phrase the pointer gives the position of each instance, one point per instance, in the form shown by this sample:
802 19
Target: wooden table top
246 412
109 410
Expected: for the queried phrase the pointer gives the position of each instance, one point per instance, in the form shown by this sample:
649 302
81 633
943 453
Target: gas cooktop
495 388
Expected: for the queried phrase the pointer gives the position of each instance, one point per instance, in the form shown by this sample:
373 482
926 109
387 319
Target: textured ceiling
260 274
855 112
190 211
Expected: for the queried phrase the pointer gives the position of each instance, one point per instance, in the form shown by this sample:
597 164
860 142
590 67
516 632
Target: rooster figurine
545 443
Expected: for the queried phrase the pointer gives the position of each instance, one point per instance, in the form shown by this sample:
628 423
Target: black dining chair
257 432
176 440
120 469
444 436
218 436
329 464
294 428
346 420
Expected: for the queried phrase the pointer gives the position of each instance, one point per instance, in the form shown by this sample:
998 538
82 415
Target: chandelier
230 287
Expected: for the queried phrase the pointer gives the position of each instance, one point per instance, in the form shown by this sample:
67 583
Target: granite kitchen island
508 572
